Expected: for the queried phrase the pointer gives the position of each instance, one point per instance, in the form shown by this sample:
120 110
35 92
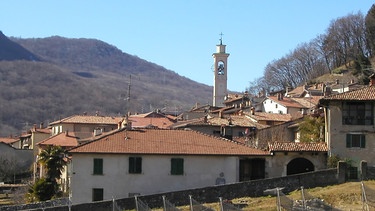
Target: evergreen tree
53 159
370 29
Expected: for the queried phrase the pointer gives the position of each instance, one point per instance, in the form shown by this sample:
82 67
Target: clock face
220 68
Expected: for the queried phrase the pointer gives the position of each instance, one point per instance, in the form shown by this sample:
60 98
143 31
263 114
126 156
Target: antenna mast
128 98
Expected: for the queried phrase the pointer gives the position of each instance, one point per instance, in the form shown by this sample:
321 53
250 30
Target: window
177 166
97 194
98 166
135 165
355 141
357 113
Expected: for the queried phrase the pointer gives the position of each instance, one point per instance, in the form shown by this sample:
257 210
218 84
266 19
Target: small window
355 141
97 194
177 166
135 165
98 166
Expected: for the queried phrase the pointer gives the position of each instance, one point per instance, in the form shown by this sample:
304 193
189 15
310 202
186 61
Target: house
13 162
282 105
85 126
12 141
226 126
124 163
350 132
298 157
151 120
269 118
66 141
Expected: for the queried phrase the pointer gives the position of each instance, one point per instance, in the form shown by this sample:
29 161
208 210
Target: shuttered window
98 166
135 165
355 141
177 166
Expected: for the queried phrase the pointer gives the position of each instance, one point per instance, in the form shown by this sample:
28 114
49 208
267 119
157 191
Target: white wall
199 171
271 106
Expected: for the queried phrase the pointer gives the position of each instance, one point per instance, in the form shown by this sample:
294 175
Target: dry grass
344 197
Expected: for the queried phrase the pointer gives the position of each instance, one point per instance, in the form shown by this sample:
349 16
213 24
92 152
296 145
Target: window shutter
363 141
98 166
135 165
138 166
348 140
177 166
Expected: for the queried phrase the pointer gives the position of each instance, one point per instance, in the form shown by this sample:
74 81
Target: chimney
220 114
66 132
252 110
205 119
337 81
372 79
41 125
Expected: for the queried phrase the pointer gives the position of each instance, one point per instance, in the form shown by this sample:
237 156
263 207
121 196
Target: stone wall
211 194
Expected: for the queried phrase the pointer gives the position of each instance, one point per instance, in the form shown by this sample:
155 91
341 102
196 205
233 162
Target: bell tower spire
220 73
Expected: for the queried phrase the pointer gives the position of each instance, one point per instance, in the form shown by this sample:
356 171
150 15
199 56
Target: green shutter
98 166
135 165
363 141
177 166
348 141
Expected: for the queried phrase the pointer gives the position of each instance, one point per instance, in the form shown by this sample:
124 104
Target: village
238 138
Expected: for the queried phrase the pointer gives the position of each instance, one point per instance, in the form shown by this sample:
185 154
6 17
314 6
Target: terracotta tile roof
308 102
286 101
298 91
64 139
149 114
264 116
365 94
241 121
87 119
41 130
8 140
151 141
297 147
145 122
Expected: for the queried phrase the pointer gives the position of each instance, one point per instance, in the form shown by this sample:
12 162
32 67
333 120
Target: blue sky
181 35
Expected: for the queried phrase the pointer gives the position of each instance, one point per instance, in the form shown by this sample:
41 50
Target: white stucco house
126 162
282 105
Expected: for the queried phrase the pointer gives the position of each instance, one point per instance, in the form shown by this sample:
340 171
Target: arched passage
299 165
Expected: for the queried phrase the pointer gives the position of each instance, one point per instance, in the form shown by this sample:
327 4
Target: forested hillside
348 43
59 77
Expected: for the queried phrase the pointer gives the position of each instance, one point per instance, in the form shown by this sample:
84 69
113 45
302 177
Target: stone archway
299 165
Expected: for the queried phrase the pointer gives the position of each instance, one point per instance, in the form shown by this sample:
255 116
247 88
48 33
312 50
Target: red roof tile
297 147
86 119
8 140
64 139
264 116
144 122
151 141
286 101
366 93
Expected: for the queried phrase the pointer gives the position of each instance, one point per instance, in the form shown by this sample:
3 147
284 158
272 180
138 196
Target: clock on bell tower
220 74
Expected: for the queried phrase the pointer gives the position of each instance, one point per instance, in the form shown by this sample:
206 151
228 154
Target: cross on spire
221 38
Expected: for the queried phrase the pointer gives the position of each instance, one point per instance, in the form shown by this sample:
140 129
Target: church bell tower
220 74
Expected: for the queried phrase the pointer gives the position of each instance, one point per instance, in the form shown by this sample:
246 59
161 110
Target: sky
181 35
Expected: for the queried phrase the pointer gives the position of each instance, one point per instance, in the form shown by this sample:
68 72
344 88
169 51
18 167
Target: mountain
12 51
44 79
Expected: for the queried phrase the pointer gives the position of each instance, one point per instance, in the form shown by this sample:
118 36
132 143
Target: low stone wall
252 188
